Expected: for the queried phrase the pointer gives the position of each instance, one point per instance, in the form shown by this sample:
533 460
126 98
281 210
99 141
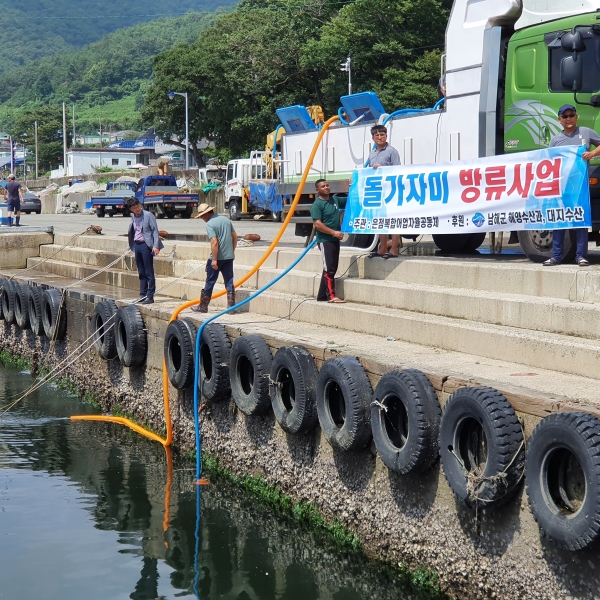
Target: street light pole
36 150
187 126
347 67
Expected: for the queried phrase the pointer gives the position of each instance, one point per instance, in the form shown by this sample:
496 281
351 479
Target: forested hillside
116 68
32 29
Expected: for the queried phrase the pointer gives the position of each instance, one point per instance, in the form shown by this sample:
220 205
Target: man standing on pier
14 196
223 242
325 213
145 244
572 135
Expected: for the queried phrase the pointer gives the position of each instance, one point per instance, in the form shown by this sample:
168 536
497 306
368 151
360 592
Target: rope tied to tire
474 481
380 405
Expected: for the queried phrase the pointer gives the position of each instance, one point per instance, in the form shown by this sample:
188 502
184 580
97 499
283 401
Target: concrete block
16 249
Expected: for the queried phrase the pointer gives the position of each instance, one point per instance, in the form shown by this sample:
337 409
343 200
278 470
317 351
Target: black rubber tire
537 245
564 496
54 315
180 342
359 240
3 282
170 215
451 243
475 240
235 210
35 308
276 216
481 427
21 304
104 324
343 401
293 388
8 302
100 213
186 215
130 334
215 352
406 434
249 371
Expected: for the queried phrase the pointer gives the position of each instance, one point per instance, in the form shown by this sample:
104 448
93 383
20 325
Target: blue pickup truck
157 193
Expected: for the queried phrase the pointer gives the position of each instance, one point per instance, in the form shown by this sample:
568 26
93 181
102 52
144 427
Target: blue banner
542 189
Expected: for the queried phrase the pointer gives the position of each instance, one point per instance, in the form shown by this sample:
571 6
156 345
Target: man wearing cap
145 243
572 135
13 195
223 242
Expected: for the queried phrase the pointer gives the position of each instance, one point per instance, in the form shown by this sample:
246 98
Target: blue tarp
264 195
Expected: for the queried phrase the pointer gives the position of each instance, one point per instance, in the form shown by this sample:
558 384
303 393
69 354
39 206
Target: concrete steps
507 308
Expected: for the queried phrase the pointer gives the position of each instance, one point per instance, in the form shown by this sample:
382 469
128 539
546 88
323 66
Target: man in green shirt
325 213
223 241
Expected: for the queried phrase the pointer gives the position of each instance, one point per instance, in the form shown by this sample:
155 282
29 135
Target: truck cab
250 186
114 200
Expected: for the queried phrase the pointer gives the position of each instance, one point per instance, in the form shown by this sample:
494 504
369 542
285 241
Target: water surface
94 511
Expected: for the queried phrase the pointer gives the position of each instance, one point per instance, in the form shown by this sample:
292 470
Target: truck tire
186 215
359 240
170 214
130 335
451 243
8 301
22 305
104 326
563 479
475 240
343 403
235 209
35 310
276 216
537 245
100 213
54 314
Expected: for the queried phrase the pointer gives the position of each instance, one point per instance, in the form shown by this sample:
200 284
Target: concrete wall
16 247
413 520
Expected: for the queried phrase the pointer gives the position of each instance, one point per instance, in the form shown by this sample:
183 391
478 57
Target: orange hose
167 442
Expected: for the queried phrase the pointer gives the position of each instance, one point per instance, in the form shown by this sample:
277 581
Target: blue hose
274 152
199 342
341 116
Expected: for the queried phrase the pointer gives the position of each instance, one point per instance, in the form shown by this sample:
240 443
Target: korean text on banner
543 189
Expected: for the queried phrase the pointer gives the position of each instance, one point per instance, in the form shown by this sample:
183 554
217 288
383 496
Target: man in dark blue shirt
13 195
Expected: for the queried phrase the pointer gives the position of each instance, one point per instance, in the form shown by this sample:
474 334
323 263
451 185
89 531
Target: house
85 161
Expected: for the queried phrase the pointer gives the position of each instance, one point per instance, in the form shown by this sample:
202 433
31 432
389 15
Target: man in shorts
223 242
13 194
572 135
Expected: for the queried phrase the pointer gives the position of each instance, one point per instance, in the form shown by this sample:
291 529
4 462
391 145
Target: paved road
118 225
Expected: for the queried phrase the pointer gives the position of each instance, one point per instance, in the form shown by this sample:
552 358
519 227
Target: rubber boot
231 302
204 302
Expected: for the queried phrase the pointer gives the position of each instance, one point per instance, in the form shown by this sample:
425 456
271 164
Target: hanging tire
215 352
3 282
35 308
293 389
343 400
105 326
21 302
180 341
481 447
249 370
563 479
405 420
8 301
54 315
130 335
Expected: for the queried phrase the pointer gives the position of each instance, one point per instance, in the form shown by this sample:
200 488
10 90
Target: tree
395 51
50 133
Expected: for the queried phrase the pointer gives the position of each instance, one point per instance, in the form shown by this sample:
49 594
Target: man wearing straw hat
223 241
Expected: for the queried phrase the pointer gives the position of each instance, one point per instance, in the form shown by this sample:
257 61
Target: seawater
92 510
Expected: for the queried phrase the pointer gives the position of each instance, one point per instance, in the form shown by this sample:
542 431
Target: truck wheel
276 216
475 240
359 240
537 244
235 210
170 214
451 243
187 214
100 213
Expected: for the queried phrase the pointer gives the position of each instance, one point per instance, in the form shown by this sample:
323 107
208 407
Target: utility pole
36 149
100 155
64 138
73 124
12 156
